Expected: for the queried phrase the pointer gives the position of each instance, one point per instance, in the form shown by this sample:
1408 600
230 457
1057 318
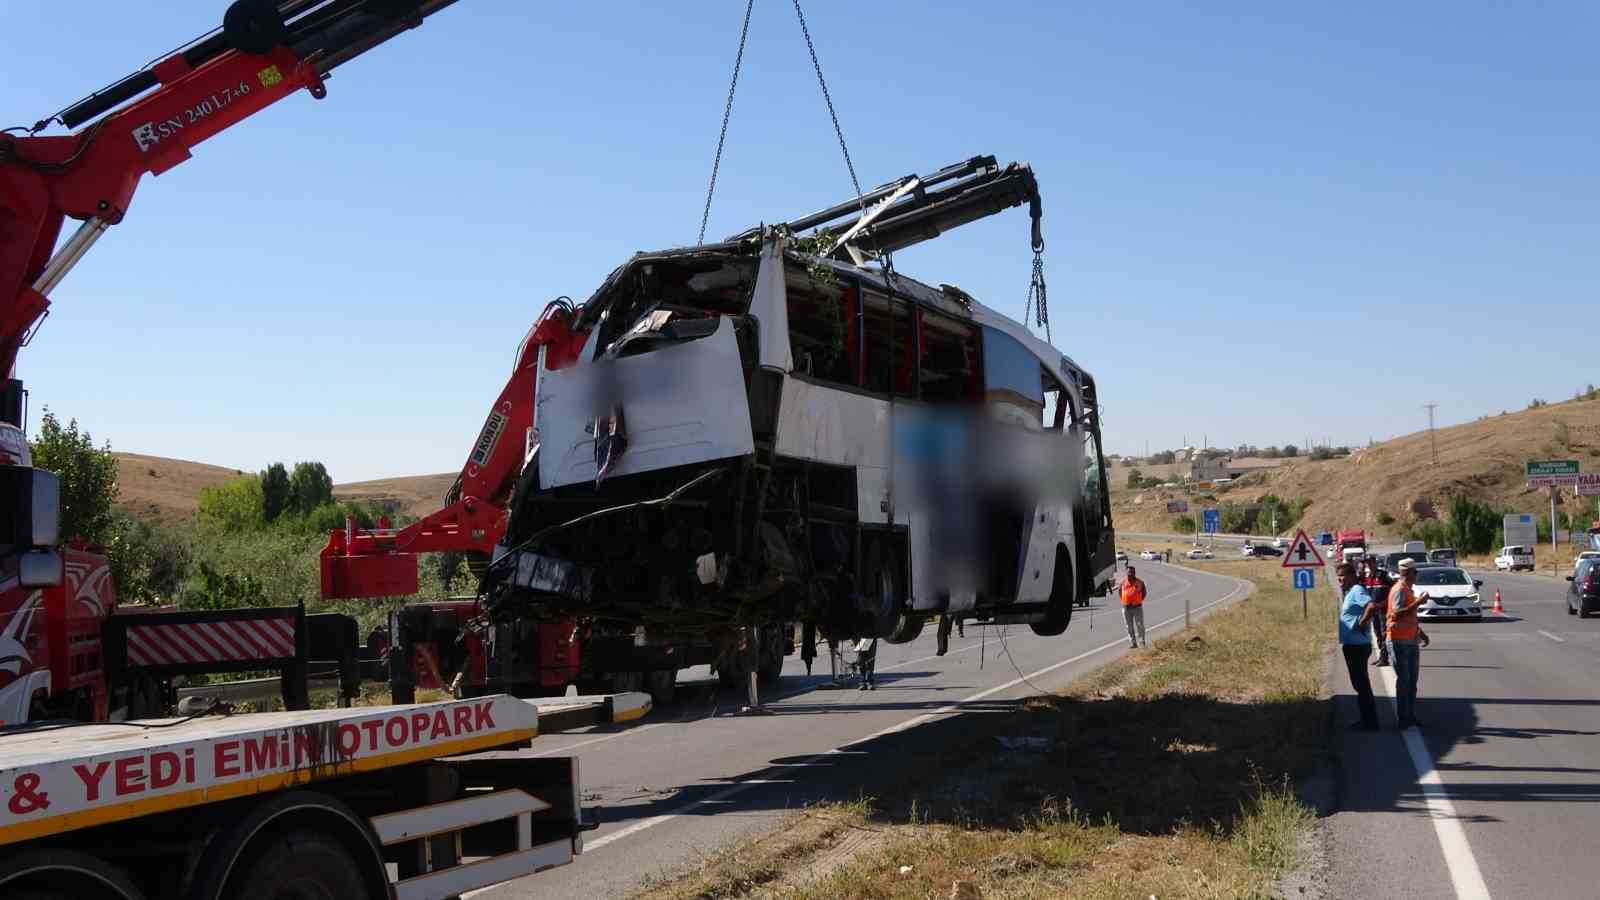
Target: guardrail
250 690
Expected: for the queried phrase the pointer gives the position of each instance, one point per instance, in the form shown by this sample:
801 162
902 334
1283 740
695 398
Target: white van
1414 547
1512 558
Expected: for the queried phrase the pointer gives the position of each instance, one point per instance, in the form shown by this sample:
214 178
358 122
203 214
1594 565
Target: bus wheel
884 595
662 685
1062 590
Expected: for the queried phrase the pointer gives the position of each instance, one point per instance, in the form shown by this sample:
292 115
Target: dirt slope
168 490
1482 459
416 495
155 487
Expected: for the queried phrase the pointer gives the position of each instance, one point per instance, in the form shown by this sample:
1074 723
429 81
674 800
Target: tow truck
102 795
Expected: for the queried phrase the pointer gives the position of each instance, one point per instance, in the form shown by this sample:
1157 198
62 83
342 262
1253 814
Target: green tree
1183 524
148 561
88 478
275 493
1135 479
1291 450
233 506
310 486
211 589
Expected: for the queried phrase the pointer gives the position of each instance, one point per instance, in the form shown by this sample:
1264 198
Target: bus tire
1062 591
662 685
51 873
884 593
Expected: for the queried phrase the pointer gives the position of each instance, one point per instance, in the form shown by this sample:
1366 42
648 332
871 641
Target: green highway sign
1543 473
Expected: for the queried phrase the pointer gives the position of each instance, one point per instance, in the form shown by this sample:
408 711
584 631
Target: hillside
1482 459
168 490
416 495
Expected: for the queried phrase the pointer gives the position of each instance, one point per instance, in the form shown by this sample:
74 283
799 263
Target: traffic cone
1499 610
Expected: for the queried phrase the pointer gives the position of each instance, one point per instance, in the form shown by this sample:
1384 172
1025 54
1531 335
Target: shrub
1184 525
233 506
149 561
1385 519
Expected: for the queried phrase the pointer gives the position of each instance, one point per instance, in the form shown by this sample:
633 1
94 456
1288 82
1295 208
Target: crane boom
148 122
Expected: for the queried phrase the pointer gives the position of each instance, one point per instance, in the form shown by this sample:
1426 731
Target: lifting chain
828 99
727 111
1037 306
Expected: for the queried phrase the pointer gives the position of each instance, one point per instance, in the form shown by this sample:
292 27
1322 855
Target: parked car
1513 558
1325 539
1261 551
1122 556
1200 553
1587 554
1583 588
1446 555
1452 593
1280 542
1389 563
1151 555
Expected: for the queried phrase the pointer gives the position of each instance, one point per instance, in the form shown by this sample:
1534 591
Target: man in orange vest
1404 633
1133 594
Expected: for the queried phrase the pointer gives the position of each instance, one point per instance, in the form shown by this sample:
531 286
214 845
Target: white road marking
1458 858
1559 640
743 786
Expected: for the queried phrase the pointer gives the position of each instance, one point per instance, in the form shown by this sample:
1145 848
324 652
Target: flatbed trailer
403 802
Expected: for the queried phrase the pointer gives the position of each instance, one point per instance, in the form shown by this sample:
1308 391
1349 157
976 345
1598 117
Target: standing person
1403 635
1378 589
1354 614
1133 594
866 661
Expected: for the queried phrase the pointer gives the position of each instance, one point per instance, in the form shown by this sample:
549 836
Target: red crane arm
382 562
265 52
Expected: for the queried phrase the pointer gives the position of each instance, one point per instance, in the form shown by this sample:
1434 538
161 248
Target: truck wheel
58 874
1062 591
623 682
662 685
299 865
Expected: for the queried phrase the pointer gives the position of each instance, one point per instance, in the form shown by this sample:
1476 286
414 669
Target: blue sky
1264 221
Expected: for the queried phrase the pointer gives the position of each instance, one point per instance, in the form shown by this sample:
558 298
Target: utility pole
1432 442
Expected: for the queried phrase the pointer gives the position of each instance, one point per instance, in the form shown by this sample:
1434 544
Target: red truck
1350 539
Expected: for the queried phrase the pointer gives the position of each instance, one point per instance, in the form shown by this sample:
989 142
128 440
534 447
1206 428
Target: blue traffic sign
1304 579
1213 521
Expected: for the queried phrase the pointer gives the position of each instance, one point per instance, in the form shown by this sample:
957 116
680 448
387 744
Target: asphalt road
693 777
1505 802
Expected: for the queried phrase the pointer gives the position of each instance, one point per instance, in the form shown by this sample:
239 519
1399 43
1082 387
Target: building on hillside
1214 469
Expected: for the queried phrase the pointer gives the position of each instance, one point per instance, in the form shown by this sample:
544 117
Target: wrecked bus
771 429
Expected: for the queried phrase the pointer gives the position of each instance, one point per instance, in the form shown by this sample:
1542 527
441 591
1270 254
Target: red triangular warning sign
1302 554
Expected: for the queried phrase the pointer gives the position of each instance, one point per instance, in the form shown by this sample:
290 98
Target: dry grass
166 490
415 495
1168 772
1482 459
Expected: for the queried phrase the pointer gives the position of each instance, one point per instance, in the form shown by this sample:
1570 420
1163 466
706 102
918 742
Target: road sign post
1303 558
